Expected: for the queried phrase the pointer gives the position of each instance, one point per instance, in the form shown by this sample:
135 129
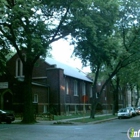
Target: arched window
19 68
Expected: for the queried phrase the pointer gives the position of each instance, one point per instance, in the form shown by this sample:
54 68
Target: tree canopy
30 27
105 34
110 42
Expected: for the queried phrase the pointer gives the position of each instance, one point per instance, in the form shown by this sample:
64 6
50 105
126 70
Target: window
84 89
121 97
97 94
76 108
75 88
67 87
45 109
19 68
90 91
35 98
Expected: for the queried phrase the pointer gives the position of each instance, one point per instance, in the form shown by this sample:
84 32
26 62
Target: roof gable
68 70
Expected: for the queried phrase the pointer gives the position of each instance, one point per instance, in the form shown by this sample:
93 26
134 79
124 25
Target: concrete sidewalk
47 122
72 119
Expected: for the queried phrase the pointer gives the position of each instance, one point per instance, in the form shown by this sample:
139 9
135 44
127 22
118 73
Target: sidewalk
71 119
47 122
82 117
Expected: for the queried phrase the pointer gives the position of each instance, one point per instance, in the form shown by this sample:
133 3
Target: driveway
110 130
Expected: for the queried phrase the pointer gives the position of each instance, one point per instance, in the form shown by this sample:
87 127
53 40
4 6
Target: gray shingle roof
68 70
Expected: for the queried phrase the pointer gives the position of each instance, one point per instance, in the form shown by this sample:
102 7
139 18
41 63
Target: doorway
7 101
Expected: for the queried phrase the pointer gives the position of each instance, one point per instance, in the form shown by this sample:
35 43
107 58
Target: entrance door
7 101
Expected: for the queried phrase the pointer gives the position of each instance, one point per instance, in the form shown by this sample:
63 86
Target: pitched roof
68 70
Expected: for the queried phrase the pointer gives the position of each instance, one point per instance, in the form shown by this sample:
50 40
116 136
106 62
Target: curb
69 120
92 122
105 120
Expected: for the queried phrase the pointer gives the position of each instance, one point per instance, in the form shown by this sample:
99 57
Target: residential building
56 87
70 85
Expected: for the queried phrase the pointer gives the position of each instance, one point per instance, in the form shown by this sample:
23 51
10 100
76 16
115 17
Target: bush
99 107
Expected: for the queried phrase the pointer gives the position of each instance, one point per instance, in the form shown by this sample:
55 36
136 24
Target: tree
30 27
2 62
130 77
112 44
4 52
93 39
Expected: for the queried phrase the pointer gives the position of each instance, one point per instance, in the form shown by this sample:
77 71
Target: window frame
35 98
19 68
67 87
75 88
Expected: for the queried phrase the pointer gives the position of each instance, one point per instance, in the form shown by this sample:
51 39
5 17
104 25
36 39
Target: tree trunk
115 103
115 95
137 100
28 111
113 109
94 103
93 109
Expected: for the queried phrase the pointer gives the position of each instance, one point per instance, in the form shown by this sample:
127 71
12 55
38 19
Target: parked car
133 111
138 110
7 117
124 113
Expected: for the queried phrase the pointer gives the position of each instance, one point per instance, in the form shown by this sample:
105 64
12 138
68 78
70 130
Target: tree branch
123 33
56 39
60 24
12 40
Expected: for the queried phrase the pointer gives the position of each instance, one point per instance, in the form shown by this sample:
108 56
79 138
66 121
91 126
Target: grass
57 117
60 118
80 116
70 116
98 118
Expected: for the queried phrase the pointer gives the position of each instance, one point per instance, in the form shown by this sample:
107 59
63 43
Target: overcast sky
62 51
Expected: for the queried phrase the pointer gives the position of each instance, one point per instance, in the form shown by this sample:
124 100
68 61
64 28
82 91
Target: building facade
56 87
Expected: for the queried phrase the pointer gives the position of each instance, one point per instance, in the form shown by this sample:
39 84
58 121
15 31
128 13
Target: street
110 130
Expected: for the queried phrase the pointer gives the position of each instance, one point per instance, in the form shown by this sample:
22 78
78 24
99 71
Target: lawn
70 116
97 118
80 117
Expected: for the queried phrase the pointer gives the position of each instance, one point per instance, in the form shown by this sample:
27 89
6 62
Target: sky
62 51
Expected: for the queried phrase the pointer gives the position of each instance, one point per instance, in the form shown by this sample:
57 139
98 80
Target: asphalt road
110 130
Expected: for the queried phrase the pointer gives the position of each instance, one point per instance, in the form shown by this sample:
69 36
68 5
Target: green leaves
94 31
108 37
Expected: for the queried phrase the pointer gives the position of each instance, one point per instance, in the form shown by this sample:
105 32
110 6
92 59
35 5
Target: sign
3 85
84 98
131 133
